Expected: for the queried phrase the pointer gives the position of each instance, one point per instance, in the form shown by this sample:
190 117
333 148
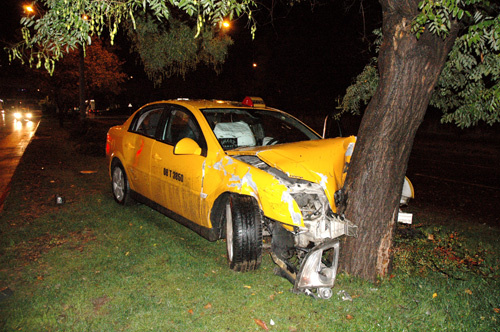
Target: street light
29 9
226 24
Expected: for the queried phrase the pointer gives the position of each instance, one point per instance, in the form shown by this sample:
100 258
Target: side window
181 125
148 121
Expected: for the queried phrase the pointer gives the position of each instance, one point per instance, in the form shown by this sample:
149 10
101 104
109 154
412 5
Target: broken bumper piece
314 274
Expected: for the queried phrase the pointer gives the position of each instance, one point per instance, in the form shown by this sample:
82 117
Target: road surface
457 178
15 136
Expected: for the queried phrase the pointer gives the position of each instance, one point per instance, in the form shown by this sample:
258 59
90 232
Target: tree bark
409 69
81 82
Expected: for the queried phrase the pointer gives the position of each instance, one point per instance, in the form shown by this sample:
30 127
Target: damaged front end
303 224
306 253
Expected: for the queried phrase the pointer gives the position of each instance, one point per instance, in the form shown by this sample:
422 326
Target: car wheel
119 185
243 233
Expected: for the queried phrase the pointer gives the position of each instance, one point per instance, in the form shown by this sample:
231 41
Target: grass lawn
92 265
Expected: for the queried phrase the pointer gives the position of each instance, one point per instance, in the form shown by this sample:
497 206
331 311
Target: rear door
137 145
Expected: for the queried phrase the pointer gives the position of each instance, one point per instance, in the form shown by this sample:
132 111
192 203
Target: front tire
119 185
243 233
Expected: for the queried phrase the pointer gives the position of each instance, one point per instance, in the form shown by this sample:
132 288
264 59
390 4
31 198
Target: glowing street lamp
29 9
226 24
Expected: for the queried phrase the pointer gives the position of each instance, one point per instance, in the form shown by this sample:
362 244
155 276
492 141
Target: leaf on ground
99 302
468 291
261 323
349 317
208 306
497 310
191 311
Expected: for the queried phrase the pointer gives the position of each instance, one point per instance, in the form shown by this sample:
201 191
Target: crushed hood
319 161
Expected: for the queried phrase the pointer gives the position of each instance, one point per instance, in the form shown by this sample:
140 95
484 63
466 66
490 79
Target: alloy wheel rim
229 232
118 183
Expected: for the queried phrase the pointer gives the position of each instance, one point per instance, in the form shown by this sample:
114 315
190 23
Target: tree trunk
409 69
81 84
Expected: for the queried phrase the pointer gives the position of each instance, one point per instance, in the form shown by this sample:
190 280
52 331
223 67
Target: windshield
235 128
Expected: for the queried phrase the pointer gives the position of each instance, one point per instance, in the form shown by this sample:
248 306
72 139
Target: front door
179 177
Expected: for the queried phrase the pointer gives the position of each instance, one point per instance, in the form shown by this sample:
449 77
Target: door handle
157 157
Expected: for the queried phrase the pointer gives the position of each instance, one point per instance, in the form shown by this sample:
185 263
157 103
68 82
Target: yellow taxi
239 171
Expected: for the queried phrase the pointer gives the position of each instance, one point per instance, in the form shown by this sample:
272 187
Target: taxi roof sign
254 102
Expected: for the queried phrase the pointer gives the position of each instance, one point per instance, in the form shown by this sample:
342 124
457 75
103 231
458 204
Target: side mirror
187 146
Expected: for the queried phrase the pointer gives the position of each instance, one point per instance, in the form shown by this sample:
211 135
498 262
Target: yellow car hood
319 161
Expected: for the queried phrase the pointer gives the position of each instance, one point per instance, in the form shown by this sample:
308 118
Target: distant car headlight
18 115
28 115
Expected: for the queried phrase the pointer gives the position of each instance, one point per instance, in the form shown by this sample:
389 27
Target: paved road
459 178
15 136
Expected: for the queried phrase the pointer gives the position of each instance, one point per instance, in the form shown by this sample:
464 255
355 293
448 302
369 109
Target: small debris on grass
261 323
344 295
59 200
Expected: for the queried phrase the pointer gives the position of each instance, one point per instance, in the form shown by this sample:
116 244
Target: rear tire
119 185
243 233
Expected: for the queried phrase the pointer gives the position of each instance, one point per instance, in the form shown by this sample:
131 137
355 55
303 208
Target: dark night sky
306 59
10 16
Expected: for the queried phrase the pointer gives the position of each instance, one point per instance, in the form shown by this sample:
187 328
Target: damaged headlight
318 271
309 205
320 222
311 200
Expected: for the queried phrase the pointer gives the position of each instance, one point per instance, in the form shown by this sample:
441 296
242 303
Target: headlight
314 272
28 115
18 115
